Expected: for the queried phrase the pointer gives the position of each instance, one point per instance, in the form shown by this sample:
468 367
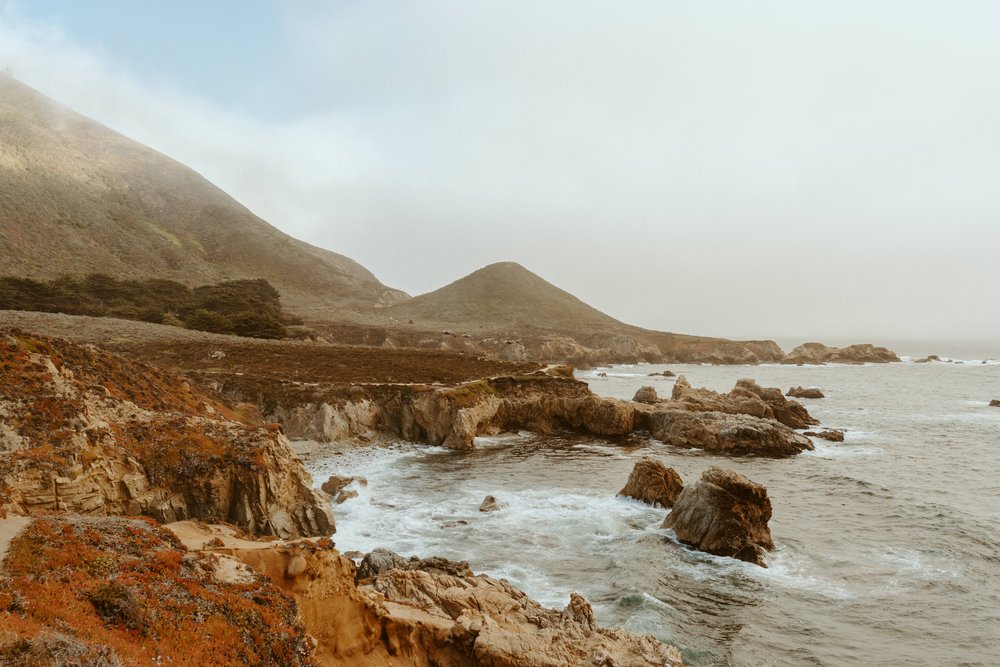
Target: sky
811 170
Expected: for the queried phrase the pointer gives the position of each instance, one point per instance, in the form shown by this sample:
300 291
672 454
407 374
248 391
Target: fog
775 169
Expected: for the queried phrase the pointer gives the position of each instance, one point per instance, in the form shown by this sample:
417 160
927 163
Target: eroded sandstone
653 483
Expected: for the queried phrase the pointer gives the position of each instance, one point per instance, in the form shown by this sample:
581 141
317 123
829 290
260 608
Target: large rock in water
818 353
87 431
722 433
746 398
725 514
646 394
995 403
653 483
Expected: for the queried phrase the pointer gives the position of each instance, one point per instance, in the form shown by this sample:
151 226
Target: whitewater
888 550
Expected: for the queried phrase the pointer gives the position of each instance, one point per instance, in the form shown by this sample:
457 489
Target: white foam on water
834 450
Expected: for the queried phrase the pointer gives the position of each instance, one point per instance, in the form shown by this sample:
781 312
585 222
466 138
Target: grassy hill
79 198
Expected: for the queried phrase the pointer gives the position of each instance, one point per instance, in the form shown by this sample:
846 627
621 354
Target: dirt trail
10 528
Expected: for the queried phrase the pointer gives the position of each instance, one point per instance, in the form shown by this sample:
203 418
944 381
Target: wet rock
346 495
995 403
725 514
653 483
730 434
831 435
646 394
928 359
805 392
490 504
666 374
602 374
336 483
746 398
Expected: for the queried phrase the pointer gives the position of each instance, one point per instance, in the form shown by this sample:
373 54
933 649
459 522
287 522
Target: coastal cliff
86 431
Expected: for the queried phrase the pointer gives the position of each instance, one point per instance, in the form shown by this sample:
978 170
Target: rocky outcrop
928 359
484 621
646 394
653 483
818 353
805 392
86 431
725 514
727 434
401 612
831 435
746 398
995 403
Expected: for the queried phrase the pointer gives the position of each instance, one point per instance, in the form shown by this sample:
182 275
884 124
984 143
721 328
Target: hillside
78 198
507 300
503 296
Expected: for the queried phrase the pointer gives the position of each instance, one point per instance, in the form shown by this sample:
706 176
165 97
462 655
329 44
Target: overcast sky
812 170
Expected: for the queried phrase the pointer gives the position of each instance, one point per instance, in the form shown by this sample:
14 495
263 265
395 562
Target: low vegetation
242 307
119 591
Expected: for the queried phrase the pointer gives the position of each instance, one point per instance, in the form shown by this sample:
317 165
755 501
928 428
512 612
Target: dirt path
10 528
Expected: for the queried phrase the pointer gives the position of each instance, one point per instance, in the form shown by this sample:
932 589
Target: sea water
887 545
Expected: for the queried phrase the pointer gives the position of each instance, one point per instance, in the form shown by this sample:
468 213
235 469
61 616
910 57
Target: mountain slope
77 197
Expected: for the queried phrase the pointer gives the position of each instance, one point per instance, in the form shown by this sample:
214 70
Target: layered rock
653 483
746 398
818 353
727 434
401 612
805 392
86 431
725 514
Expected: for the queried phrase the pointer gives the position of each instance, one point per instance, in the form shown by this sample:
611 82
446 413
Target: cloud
813 169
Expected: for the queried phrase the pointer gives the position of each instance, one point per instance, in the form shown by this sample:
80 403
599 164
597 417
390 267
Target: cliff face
86 431
434 614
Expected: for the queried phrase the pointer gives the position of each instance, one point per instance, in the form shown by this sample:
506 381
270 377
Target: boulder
729 434
831 435
805 392
646 394
995 403
346 495
928 359
653 483
490 504
725 514
336 483
666 374
378 561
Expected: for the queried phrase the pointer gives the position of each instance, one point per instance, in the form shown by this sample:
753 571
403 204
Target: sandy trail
10 528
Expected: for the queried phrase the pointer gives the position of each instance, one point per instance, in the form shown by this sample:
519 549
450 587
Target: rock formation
818 353
653 483
928 359
805 392
646 394
727 434
725 514
746 398
336 483
995 403
86 431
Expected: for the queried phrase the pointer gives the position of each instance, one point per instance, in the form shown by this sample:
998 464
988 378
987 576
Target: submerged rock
928 359
725 514
490 504
805 392
722 433
831 435
653 483
646 394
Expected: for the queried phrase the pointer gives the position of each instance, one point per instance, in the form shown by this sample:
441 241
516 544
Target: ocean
887 545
